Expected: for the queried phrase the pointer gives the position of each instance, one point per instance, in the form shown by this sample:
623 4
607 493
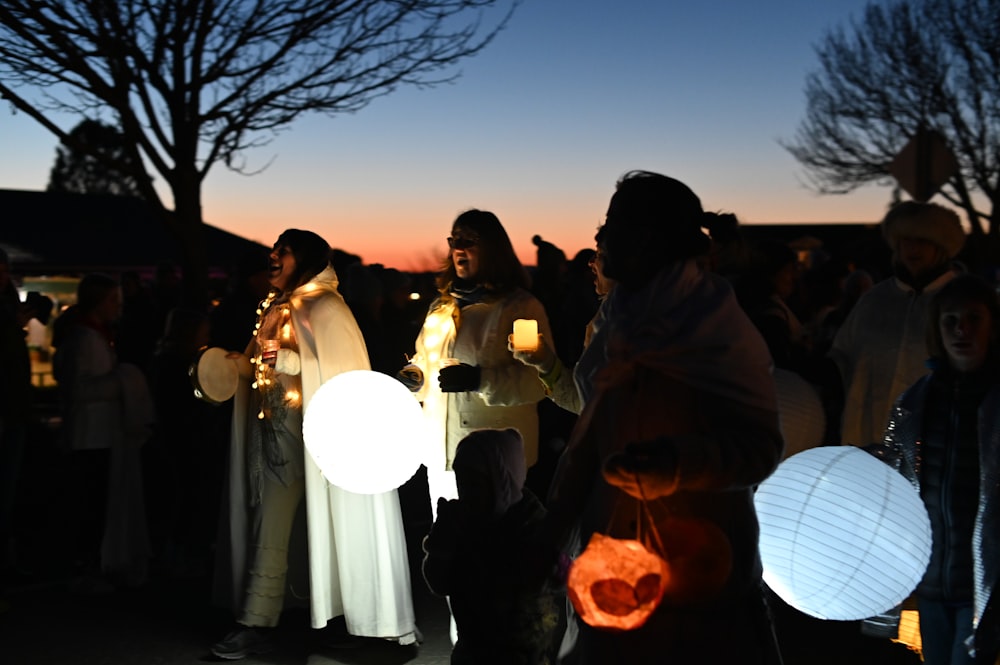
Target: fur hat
927 221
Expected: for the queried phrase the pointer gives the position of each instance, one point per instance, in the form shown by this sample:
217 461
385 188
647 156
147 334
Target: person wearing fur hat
879 350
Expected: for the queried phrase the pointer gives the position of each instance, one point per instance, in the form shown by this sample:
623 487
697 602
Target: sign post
924 164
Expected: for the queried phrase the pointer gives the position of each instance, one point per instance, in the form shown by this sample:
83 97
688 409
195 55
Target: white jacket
880 351
509 391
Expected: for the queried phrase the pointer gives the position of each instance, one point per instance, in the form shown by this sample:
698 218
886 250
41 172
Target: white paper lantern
842 535
365 432
800 412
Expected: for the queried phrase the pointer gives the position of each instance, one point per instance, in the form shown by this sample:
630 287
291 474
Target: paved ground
172 624
172 621
168 621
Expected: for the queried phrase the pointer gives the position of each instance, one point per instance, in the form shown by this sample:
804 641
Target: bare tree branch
192 83
900 68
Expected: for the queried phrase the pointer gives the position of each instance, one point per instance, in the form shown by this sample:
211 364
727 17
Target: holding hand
543 358
412 377
448 526
646 470
242 364
288 362
459 378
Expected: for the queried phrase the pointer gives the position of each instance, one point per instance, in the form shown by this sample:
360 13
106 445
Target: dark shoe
242 642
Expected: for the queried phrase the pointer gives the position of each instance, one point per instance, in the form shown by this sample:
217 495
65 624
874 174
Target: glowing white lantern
800 412
365 432
842 535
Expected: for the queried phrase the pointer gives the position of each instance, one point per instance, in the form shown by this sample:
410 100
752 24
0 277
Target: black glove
646 469
459 378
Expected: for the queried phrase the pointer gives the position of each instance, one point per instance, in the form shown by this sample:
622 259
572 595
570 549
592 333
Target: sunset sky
537 129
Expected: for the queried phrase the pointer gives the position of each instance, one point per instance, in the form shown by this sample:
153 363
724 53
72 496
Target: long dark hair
500 270
311 252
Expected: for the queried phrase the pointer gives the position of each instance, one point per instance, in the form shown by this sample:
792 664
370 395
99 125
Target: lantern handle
645 512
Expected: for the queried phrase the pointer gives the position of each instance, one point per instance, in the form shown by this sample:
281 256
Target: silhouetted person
401 315
107 417
680 412
729 254
16 406
139 325
474 551
231 325
578 306
233 318
763 291
548 279
879 350
182 485
365 296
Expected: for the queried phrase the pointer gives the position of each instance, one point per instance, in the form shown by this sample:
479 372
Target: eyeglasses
462 243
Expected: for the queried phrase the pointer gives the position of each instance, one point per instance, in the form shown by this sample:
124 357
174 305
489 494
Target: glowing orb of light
842 535
616 584
365 431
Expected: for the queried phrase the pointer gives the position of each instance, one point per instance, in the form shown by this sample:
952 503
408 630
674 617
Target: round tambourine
214 377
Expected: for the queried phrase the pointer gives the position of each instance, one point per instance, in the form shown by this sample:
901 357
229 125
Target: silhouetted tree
907 66
92 167
195 82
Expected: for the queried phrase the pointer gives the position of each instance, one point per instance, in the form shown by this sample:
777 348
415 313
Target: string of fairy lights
262 370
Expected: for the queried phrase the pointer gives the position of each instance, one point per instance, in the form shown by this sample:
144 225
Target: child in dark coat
474 554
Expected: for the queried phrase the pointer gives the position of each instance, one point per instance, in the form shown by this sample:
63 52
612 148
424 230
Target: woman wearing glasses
468 378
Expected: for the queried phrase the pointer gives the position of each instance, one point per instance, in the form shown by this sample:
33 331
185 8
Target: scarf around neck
468 293
686 324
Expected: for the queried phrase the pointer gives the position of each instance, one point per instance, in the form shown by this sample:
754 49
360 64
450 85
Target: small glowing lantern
909 631
525 335
365 432
616 584
842 535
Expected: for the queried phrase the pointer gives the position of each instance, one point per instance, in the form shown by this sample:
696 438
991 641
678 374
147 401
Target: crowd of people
651 390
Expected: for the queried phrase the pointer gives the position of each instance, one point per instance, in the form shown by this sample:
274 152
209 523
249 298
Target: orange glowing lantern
616 584
909 631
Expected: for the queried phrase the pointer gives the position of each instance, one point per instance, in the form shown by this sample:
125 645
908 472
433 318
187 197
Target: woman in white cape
357 560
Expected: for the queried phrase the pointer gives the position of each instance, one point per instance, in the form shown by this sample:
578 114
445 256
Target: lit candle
525 335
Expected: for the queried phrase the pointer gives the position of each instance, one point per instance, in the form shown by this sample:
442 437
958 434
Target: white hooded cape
357 558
